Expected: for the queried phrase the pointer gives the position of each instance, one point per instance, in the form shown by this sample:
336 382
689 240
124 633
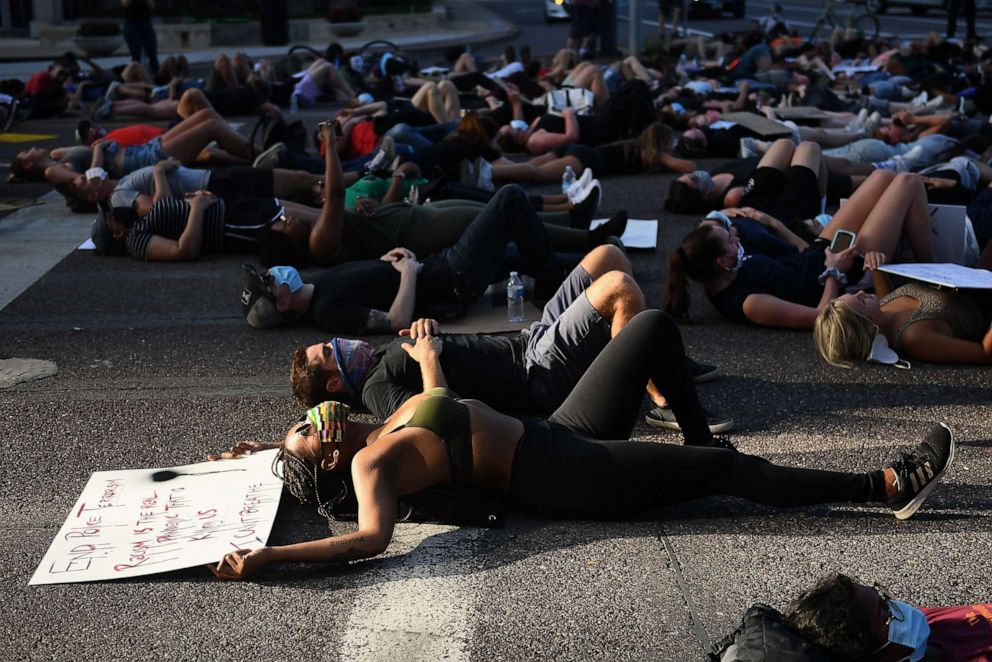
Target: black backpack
762 637
271 128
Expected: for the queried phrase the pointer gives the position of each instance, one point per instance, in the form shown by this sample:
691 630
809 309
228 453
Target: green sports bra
445 416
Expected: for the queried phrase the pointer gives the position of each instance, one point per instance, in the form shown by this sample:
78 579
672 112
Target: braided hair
330 491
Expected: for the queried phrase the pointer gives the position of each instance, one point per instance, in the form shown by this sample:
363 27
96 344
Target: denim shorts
142 156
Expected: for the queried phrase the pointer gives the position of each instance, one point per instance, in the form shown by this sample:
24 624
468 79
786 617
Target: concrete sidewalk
469 23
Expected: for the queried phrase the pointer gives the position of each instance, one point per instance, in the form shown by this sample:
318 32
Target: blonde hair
843 335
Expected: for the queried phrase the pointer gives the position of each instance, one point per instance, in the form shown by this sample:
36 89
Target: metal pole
634 42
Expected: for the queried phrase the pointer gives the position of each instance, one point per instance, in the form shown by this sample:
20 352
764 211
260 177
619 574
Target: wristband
836 273
399 173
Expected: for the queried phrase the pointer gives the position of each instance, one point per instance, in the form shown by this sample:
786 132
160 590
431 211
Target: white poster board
947 275
640 233
127 524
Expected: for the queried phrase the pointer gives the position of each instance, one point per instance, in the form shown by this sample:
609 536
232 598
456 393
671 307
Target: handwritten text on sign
143 521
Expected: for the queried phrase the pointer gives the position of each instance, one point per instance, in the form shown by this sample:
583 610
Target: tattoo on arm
378 322
350 554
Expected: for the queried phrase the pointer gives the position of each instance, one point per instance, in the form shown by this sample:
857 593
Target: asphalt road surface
157 367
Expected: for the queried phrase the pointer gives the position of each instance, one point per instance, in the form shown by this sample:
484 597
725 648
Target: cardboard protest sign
947 275
144 521
761 125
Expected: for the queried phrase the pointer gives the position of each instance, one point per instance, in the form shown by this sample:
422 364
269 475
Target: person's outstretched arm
377 509
768 310
325 238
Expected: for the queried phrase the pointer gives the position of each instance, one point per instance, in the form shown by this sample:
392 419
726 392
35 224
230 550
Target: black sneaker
918 472
664 417
702 372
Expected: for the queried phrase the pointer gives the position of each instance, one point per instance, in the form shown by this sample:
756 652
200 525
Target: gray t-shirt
142 182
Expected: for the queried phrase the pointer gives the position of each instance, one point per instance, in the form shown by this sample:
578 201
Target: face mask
354 358
740 258
908 628
882 353
705 181
519 125
678 108
287 276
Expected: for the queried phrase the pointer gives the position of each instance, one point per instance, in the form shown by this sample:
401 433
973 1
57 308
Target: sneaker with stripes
919 471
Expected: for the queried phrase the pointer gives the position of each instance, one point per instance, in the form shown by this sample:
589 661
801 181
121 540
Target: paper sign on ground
948 275
640 233
127 524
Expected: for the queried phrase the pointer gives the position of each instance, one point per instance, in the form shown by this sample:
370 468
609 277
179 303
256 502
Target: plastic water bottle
294 103
567 179
514 298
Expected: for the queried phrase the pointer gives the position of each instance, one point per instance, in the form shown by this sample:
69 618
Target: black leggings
565 467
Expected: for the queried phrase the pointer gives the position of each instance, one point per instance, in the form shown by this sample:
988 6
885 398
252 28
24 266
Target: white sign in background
144 521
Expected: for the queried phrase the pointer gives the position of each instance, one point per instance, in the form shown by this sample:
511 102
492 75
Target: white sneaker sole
910 508
673 425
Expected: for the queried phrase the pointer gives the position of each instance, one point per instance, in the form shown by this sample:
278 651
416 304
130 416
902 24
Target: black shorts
667 7
589 156
791 196
242 180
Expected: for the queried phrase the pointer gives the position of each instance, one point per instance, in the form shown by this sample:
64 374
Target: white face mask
882 353
740 259
908 628
520 125
705 182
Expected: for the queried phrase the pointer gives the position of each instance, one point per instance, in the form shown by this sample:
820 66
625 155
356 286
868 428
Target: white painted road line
35 239
420 604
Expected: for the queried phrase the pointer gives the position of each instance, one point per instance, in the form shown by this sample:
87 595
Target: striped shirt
167 218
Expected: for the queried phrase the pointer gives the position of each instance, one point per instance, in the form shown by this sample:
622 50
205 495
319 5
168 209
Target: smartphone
843 240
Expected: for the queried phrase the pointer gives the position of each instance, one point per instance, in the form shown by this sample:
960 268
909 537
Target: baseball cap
257 300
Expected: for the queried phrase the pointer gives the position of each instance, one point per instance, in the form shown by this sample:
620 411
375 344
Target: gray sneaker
270 158
664 417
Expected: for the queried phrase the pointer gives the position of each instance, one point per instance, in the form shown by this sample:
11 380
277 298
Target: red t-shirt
964 633
138 134
41 83
363 140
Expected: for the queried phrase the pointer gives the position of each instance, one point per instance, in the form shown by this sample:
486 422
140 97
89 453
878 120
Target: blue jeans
420 137
509 216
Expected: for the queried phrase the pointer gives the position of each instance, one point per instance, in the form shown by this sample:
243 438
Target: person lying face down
858 622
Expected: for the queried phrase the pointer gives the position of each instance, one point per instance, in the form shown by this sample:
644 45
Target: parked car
556 10
918 7
711 8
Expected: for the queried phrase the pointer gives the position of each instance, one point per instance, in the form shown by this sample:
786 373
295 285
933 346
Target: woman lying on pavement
790 291
187 141
652 150
436 439
333 235
917 320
